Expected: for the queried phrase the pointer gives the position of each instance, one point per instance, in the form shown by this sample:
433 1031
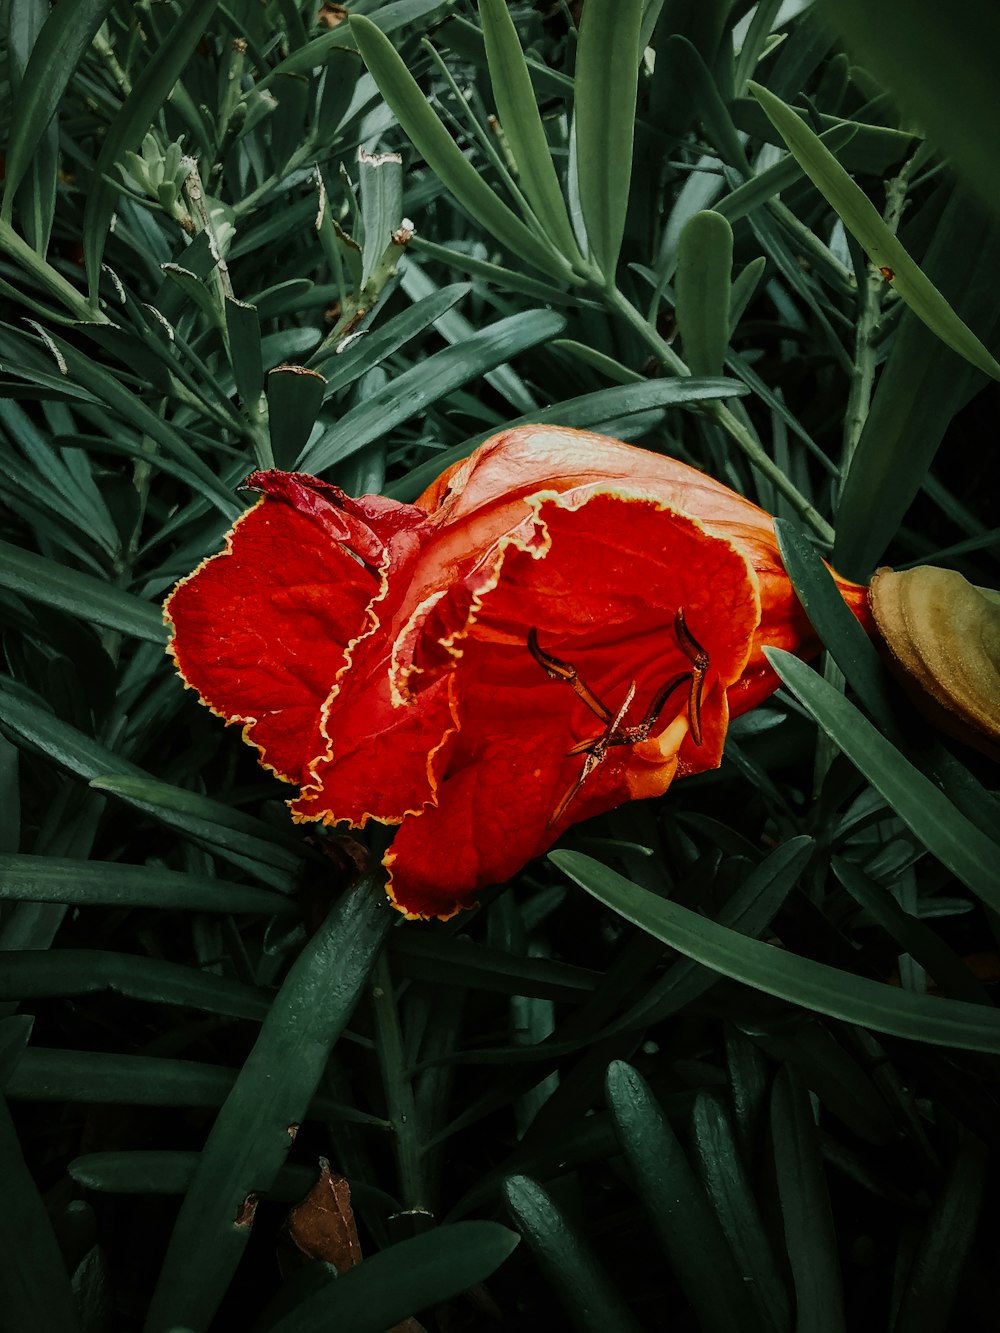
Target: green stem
398 1091
872 292
47 277
721 415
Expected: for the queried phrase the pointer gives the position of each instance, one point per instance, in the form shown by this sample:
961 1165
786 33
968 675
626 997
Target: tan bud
944 633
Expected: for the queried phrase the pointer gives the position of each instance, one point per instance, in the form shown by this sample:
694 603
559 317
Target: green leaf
46 1074
370 348
61 44
522 125
805 1206
603 364
568 1262
938 1269
243 331
726 1181
427 381
46 973
769 183
703 289
606 85
696 88
940 63
686 1224
78 594
380 184
51 879
294 397
166 1171
425 129
460 962
926 811
386 1288
136 115
238 838
911 934
833 621
35 1292
815 986
861 218
250 1138
387 18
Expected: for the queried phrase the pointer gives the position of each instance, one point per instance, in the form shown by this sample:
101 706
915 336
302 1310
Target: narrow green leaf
584 1287
744 288
460 962
33 267
805 1206
243 330
51 879
133 119
750 911
386 1288
61 44
697 89
685 1222
46 1074
940 63
165 1171
936 1275
115 397
861 218
833 621
250 1138
46 581
35 1290
387 18
522 125
604 99
937 823
47 973
726 1180
216 827
768 184
429 136
363 353
65 745
774 971
37 200
429 380
294 397
911 934
703 288
605 365
380 184
507 279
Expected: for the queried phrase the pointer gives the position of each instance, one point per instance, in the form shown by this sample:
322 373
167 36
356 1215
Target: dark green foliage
749 1078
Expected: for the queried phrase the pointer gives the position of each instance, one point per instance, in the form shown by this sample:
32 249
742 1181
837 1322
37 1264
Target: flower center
615 732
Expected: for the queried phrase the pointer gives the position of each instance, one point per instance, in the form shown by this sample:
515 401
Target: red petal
601 575
264 629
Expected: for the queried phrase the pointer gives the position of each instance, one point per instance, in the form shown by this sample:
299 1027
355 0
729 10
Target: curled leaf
944 633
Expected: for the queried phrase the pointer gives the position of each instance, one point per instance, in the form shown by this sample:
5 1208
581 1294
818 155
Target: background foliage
752 1078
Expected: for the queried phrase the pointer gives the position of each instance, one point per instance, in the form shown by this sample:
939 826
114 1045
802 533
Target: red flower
561 623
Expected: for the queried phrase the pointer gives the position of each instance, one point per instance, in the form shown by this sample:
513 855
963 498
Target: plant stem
398 1091
721 415
872 291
